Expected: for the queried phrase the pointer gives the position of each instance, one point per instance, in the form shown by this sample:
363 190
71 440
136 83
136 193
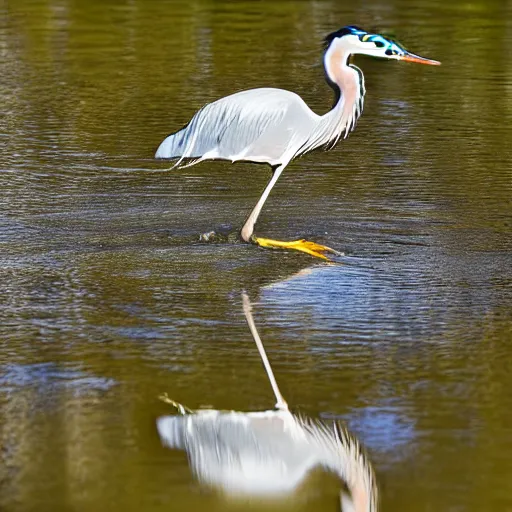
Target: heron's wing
242 452
257 124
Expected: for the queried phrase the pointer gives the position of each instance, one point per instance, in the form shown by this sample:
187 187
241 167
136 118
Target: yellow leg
312 248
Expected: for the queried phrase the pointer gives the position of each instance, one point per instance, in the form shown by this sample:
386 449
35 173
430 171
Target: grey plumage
275 126
231 128
261 125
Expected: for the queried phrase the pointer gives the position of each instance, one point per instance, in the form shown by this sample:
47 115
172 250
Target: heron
268 453
274 126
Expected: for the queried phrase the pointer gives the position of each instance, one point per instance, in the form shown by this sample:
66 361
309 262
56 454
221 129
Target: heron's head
357 41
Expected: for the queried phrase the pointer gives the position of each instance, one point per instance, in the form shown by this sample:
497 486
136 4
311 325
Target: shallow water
109 299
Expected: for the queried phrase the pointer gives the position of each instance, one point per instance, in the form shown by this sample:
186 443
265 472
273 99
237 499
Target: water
108 298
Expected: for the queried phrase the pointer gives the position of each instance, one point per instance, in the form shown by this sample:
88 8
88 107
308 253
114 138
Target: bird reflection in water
268 453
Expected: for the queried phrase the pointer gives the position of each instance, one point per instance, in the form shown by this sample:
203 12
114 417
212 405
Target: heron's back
261 125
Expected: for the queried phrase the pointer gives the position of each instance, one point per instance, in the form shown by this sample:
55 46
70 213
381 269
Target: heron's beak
410 57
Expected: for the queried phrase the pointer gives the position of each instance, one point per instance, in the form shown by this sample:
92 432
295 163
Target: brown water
108 299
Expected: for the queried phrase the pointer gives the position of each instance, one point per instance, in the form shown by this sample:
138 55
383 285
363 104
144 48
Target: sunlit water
109 299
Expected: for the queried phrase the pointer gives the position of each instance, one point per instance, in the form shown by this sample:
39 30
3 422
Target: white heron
274 126
268 453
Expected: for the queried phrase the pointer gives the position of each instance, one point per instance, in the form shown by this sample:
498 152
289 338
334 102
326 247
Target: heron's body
268 453
261 124
265 125
274 126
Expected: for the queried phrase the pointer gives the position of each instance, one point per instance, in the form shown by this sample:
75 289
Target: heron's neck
348 83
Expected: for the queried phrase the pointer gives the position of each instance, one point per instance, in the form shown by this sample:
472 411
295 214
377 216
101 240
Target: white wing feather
258 125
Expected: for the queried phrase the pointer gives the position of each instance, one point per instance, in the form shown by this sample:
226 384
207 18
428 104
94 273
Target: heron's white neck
350 82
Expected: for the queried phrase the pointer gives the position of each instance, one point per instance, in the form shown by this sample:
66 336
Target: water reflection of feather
269 453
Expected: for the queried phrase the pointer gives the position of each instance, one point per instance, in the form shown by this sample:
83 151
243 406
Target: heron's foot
312 248
180 408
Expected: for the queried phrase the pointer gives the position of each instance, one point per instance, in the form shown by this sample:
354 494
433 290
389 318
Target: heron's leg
181 408
312 248
248 228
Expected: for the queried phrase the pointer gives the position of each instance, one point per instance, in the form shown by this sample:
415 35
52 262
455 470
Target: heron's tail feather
193 141
176 146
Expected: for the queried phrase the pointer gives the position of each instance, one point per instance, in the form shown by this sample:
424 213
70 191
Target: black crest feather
345 31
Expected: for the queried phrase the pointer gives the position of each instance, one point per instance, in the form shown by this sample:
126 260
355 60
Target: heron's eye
389 52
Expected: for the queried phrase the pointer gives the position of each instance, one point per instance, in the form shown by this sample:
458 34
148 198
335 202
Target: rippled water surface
109 299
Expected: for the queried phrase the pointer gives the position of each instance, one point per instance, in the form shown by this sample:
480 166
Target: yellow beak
410 57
